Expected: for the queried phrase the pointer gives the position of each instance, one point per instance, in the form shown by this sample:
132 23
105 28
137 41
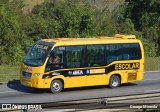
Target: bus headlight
36 74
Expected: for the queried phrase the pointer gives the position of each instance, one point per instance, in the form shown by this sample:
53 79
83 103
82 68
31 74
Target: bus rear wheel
56 86
114 81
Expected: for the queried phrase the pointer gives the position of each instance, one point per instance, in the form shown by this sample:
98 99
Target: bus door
96 77
75 78
75 75
95 60
55 65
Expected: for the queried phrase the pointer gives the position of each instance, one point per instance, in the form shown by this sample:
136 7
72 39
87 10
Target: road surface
16 93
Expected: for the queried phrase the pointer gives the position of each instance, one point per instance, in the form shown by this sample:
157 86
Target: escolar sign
127 66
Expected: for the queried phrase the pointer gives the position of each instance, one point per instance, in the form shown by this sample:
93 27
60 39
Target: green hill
30 4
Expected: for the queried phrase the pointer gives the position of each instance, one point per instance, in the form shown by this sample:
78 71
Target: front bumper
33 83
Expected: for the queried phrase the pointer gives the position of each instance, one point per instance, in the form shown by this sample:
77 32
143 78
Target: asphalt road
16 93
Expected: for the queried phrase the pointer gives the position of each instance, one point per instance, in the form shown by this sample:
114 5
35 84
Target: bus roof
95 40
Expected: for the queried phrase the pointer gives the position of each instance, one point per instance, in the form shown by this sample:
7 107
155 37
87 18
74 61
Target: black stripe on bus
86 72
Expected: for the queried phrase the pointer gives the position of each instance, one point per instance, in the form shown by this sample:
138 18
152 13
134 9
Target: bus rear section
128 65
69 62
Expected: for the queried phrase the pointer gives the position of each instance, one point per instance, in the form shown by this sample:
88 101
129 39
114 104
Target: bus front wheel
56 86
114 81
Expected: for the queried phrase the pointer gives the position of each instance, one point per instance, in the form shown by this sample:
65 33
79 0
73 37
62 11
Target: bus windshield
37 55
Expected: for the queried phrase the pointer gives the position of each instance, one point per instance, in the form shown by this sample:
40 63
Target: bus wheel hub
56 86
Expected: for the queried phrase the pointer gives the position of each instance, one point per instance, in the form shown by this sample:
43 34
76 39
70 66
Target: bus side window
74 57
111 58
55 60
114 53
95 55
126 56
131 51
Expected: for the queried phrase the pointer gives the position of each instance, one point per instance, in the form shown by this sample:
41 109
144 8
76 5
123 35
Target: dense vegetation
76 18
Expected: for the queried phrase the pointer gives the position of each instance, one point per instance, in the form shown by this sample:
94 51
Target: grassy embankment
8 73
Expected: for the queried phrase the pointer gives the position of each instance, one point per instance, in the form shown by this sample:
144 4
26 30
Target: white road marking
158 71
151 79
7 91
149 91
12 91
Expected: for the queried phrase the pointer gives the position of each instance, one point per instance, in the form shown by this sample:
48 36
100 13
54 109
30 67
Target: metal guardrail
121 102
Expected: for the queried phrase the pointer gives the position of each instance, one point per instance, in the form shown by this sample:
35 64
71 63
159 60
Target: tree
65 19
143 17
12 37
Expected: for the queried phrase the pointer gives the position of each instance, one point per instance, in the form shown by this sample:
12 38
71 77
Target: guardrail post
24 110
104 101
144 110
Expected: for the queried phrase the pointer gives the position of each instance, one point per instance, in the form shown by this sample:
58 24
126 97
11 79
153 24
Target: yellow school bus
78 62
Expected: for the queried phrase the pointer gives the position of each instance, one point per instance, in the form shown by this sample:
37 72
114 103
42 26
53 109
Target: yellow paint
76 81
96 79
97 74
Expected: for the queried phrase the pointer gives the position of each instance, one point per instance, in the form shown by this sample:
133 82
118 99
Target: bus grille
26 75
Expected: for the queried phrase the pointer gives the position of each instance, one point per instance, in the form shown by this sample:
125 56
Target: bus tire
56 86
114 81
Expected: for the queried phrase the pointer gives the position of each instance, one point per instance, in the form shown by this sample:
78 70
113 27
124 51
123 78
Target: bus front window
37 55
